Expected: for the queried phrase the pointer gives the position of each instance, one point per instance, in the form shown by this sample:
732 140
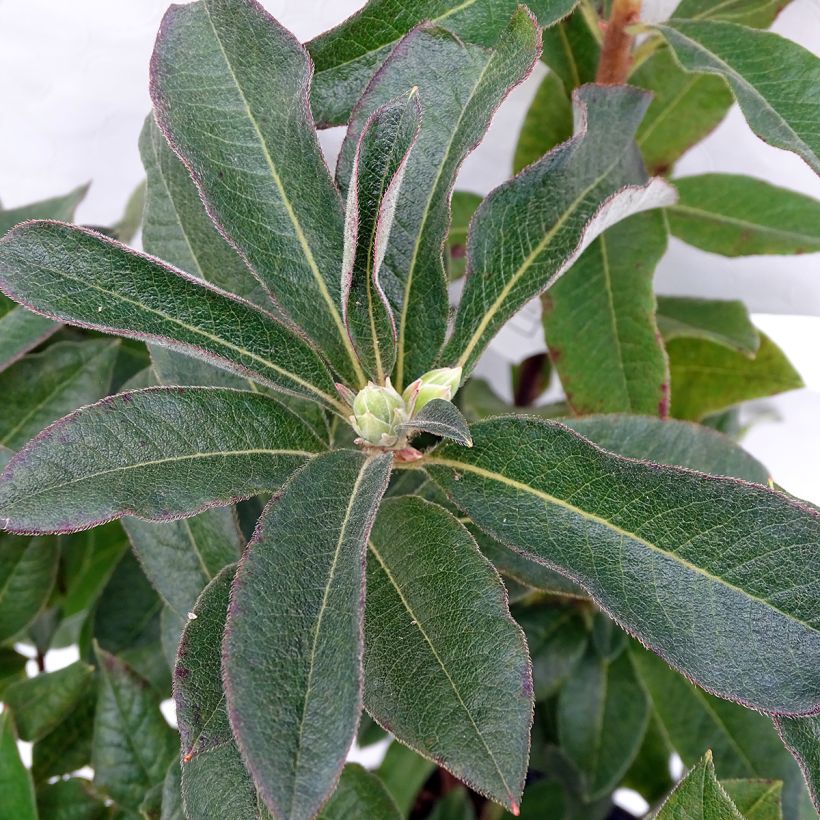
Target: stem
616 54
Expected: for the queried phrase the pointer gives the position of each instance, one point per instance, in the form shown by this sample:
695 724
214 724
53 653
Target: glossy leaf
133 744
349 55
685 108
724 322
16 788
463 205
230 88
741 216
755 799
455 119
177 227
27 570
577 191
755 13
359 794
777 107
72 799
676 443
446 668
548 122
699 796
297 602
599 323
802 738
707 377
159 453
545 491
41 702
572 50
123 292
379 165
42 387
441 418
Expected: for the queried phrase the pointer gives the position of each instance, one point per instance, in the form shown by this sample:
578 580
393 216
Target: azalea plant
285 498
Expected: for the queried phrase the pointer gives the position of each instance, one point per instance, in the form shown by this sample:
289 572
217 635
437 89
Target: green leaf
701 588
61 208
755 799
463 205
42 387
737 215
722 321
776 106
349 55
548 123
16 788
699 796
28 567
133 295
578 190
72 799
20 331
172 794
602 716
676 443
456 115
685 108
544 798
181 557
68 747
446 667
599 323
133 744
440 418
649 773
230 88
378 169
359 794
178 229
40 703
708 377
572 50
12 668
297 602
801 737
404 772
158 453
456 804
129 224
755 13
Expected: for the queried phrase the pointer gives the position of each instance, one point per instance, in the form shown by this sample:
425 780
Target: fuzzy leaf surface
230 88
530 230
83 278
722 321
16 788
441 418
755 799
699 796
455 116
158 453
446 667
359 793
293 642
660 549
801 737
755 13
782 107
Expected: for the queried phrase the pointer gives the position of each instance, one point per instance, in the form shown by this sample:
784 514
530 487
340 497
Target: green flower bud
441 383
377 413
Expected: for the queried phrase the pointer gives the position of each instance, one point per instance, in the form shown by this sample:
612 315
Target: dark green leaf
649 773
172 794
20 331
776 106
129 224
440 418
699 796
16 788
404 772
446 668
541 800
72 799
297 602
802 738
676 443
133 745
684 109
708 377
548 123
463 205
741 216
12 668
755 799
456 115
230 88
376 177
724 322
123 292
602 716
755 13
599 323
28 567
40 703
349 55
360 794
723 591
68 747
572 50
157 453
61 208
578 190
42 387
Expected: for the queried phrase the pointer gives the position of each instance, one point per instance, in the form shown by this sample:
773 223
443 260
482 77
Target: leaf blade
440 418
699 796
16 786
801 736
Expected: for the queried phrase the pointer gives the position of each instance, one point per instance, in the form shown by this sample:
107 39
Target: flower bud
441 383
377 413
